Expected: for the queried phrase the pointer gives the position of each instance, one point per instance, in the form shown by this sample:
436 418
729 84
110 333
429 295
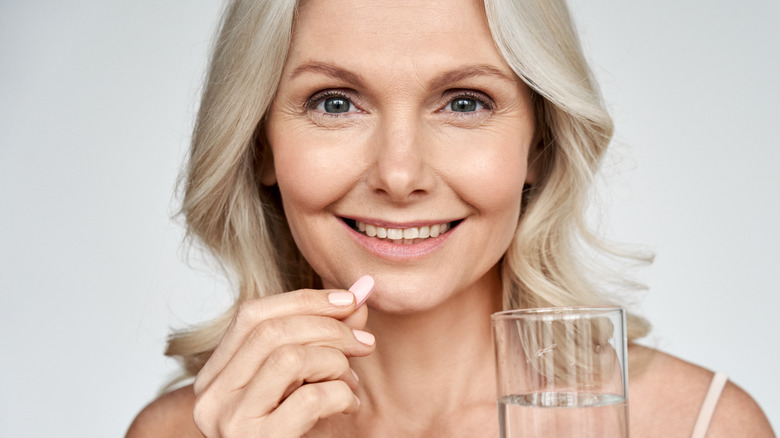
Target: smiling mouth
406 236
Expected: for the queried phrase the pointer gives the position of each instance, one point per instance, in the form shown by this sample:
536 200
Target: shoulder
737 414
667 393
168 416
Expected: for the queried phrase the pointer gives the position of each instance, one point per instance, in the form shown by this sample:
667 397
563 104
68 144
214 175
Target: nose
401 170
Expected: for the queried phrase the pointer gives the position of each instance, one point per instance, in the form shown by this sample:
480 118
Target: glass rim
543 311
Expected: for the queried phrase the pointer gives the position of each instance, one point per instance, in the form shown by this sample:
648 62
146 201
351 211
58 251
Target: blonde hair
241 222
548 263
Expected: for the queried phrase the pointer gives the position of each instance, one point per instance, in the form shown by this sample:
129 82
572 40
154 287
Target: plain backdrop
97 99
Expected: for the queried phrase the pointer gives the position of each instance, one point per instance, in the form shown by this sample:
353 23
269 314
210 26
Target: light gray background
96 104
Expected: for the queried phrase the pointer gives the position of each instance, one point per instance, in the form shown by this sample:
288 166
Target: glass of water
561 372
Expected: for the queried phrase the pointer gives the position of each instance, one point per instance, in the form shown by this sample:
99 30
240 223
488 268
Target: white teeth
402 235
395 233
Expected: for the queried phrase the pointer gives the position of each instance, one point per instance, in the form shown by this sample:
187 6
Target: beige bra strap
708 407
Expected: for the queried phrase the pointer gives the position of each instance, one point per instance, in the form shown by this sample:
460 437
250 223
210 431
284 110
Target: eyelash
314 101
482 99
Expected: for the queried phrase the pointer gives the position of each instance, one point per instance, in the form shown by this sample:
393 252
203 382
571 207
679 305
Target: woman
432 158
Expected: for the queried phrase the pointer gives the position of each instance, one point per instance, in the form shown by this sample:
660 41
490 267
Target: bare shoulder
666 396
168 416
737 414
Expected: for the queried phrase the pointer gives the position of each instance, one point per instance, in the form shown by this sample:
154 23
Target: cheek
491 174
311 173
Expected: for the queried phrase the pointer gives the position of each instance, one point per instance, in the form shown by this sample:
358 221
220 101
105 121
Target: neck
435 363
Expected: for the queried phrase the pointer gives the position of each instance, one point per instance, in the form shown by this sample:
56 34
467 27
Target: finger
290 367
301 411
357 319
272 334
362 290
333 303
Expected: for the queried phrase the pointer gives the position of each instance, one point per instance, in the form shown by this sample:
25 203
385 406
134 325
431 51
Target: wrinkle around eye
321 118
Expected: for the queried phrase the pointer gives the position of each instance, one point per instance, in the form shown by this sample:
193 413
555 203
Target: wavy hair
242 224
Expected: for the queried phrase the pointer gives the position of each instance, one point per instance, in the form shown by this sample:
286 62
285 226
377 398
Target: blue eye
468 103
464 105
335 105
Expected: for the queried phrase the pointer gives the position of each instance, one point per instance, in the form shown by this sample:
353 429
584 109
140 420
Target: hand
282 364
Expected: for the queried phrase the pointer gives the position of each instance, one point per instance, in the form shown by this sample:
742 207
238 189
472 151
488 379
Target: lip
387 249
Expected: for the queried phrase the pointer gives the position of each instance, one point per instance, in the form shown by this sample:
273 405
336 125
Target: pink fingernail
340 299
364 337
362 289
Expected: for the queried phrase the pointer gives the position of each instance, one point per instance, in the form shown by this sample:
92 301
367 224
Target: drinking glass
561 372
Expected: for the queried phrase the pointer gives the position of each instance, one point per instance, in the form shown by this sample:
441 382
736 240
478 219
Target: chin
408 296
401 304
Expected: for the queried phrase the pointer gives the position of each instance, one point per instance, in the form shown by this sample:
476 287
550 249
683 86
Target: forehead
393 33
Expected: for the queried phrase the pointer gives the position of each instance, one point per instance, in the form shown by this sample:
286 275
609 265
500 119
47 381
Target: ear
266 169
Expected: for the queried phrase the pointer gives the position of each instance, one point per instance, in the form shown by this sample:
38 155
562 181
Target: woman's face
400 142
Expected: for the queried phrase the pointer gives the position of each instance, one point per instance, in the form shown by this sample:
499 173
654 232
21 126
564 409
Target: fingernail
354 374
364 337
362 289
341 299
357 400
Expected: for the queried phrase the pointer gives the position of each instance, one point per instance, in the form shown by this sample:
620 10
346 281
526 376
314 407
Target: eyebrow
468 72
453 76
328 70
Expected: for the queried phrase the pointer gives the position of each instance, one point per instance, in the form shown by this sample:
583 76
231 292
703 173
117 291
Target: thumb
362 290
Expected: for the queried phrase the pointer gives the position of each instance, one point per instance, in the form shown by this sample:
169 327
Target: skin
416 360
400 157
